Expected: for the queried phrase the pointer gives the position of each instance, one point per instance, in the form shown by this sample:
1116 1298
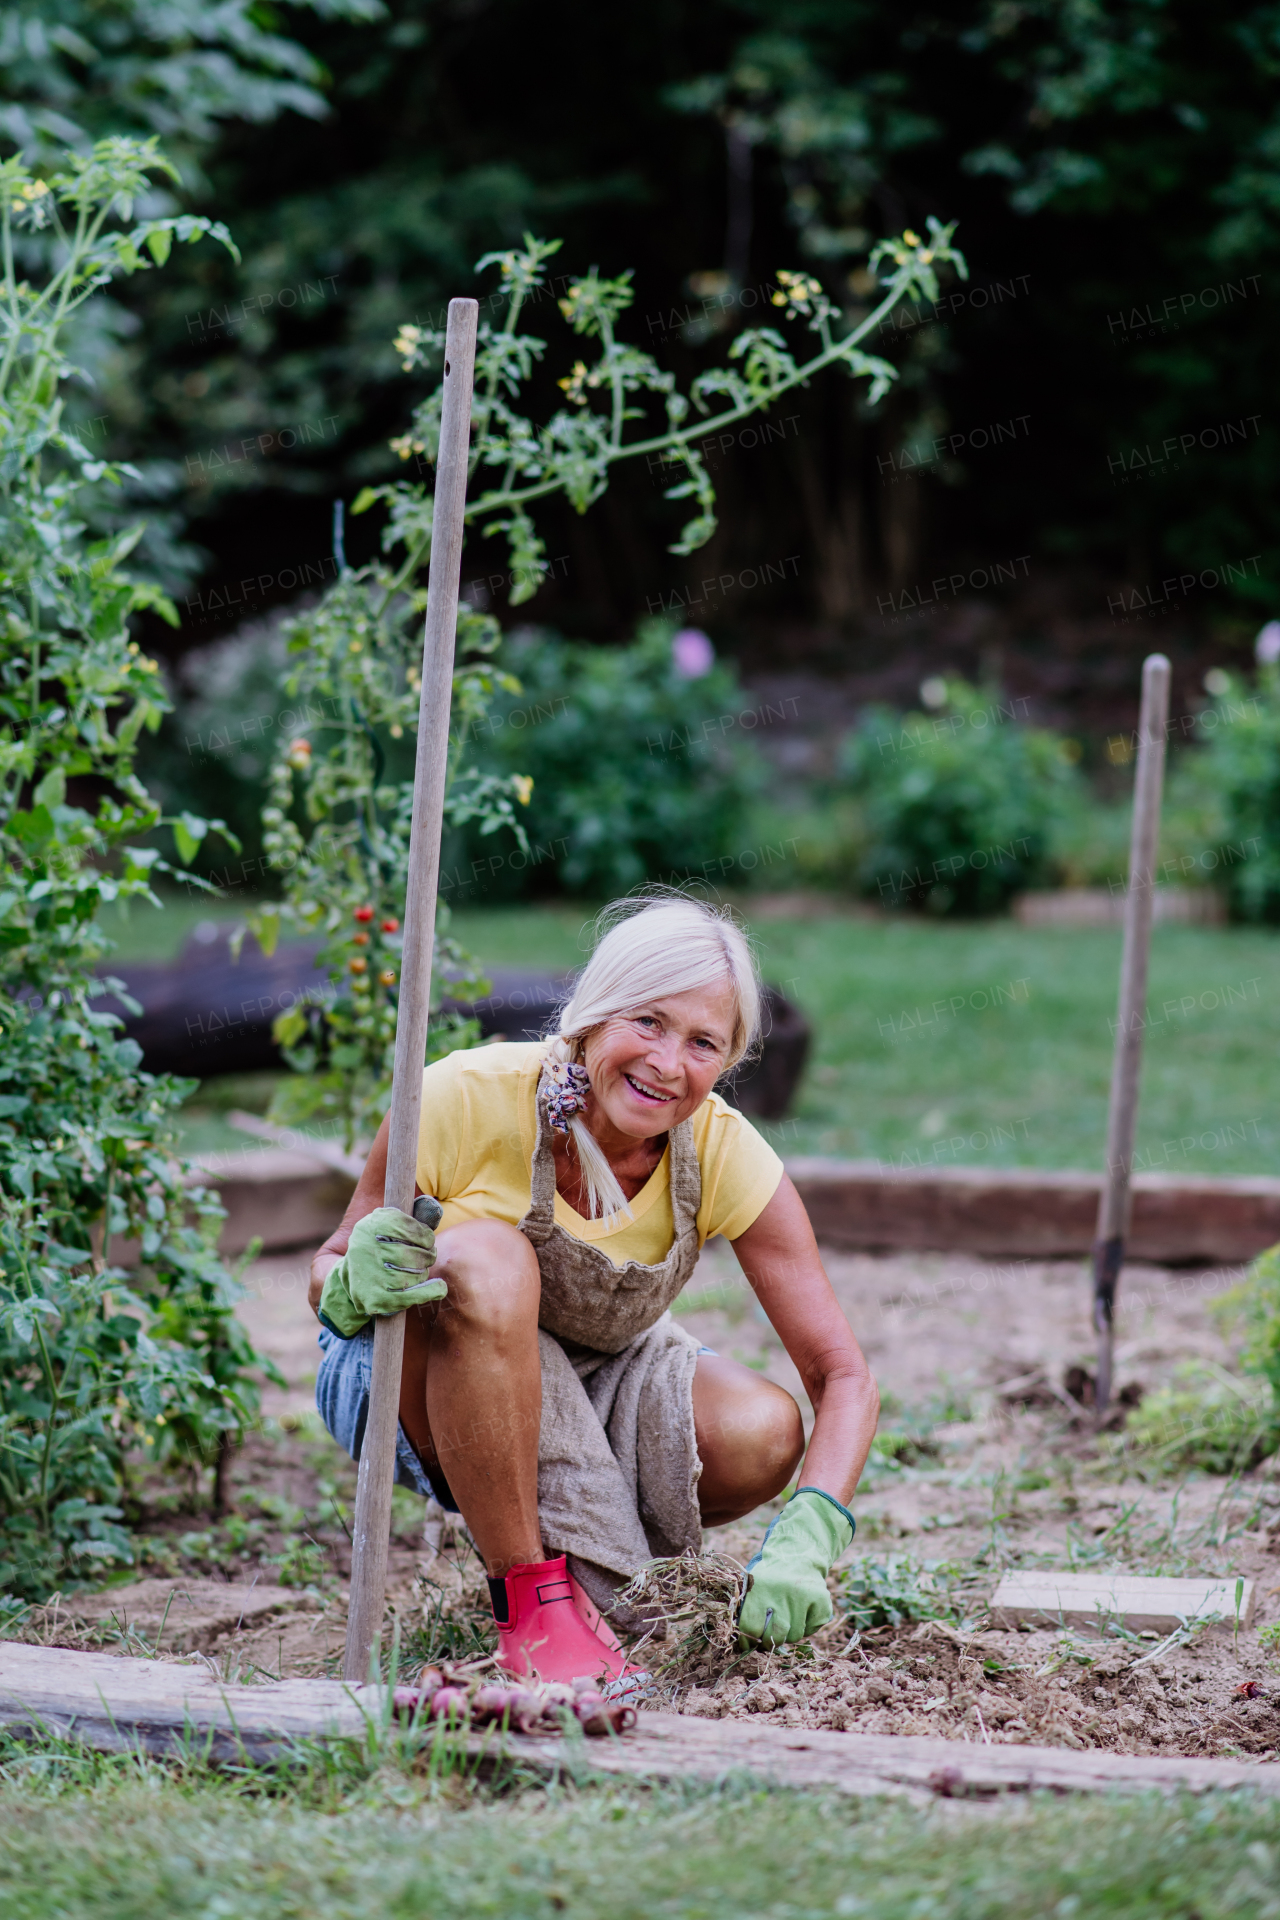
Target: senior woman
547 1394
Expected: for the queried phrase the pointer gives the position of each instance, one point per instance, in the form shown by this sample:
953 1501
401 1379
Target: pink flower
692 653
1266 646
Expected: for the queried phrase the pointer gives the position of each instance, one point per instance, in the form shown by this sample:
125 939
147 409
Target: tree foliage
1113 168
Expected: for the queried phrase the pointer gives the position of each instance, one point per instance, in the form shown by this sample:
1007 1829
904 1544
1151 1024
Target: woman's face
651 1069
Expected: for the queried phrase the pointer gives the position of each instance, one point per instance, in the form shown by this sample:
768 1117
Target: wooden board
161 1706
1023 1213
1104 907
670 1746
289 1199
1143 1603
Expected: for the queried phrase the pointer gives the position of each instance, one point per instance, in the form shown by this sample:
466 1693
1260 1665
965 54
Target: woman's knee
779 1433
749 1430
492 1275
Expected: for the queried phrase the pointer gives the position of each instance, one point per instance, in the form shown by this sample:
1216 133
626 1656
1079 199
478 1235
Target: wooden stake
1122 1115
372 1525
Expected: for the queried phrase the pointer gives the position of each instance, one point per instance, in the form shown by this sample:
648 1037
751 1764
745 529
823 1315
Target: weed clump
1207 1419
694 1598
900 1589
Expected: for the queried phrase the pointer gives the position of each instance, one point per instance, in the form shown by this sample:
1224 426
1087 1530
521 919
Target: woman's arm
368 1195
780 1258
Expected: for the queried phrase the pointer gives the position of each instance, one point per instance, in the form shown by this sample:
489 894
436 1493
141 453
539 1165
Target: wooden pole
1122 1115
372 1526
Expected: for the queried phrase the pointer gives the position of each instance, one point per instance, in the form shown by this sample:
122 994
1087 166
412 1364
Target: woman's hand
368 1194
386 1268
787 1597
780 1258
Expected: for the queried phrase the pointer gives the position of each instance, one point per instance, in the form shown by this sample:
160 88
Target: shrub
1241 731
1255 1307
1210 1418
636 774
96 1362
959 805
213 752
338 829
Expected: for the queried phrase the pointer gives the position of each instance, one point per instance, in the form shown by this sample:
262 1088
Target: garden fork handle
372 1526
1122 1115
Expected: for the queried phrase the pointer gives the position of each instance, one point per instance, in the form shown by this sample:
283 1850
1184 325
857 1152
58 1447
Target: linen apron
618 1462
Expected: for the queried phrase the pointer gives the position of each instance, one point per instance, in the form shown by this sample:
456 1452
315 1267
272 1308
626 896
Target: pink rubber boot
549 1628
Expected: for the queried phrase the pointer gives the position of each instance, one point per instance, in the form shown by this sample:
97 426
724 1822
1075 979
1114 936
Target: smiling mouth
648 1093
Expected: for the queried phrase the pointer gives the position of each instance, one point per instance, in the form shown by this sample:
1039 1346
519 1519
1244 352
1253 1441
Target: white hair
647 949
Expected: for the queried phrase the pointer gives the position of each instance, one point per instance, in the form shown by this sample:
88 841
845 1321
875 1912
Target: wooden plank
162 1706
1026 1213
668 1746
1144 1603
291 1200
115 1704
1104 907
284 1197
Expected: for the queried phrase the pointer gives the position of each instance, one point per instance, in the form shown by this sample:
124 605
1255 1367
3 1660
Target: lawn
981 1043
119 1842
989 1044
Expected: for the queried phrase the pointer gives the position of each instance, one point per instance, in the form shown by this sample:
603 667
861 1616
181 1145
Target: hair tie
567 1093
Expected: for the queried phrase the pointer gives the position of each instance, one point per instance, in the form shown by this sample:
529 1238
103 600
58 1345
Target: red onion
598 1715
528 1711
449 1703
494 1703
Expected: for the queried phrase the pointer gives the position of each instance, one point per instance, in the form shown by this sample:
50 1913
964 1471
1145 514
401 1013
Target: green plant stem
684 436
55 1401
676 438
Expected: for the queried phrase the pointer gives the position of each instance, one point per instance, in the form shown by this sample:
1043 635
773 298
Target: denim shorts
342 1401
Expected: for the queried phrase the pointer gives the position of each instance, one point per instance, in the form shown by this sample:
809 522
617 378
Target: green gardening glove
787 1596
384 1270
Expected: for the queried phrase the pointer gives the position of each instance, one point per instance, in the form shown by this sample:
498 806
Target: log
1144 1603
208 1013
162 1707
671 1746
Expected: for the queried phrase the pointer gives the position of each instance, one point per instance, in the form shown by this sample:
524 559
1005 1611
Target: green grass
204 1123
142 932
123 1841
1021 1081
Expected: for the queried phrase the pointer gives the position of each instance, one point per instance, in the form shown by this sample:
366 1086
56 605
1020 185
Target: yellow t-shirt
475 1149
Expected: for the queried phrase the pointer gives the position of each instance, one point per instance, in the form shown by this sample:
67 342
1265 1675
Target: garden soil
996 1465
